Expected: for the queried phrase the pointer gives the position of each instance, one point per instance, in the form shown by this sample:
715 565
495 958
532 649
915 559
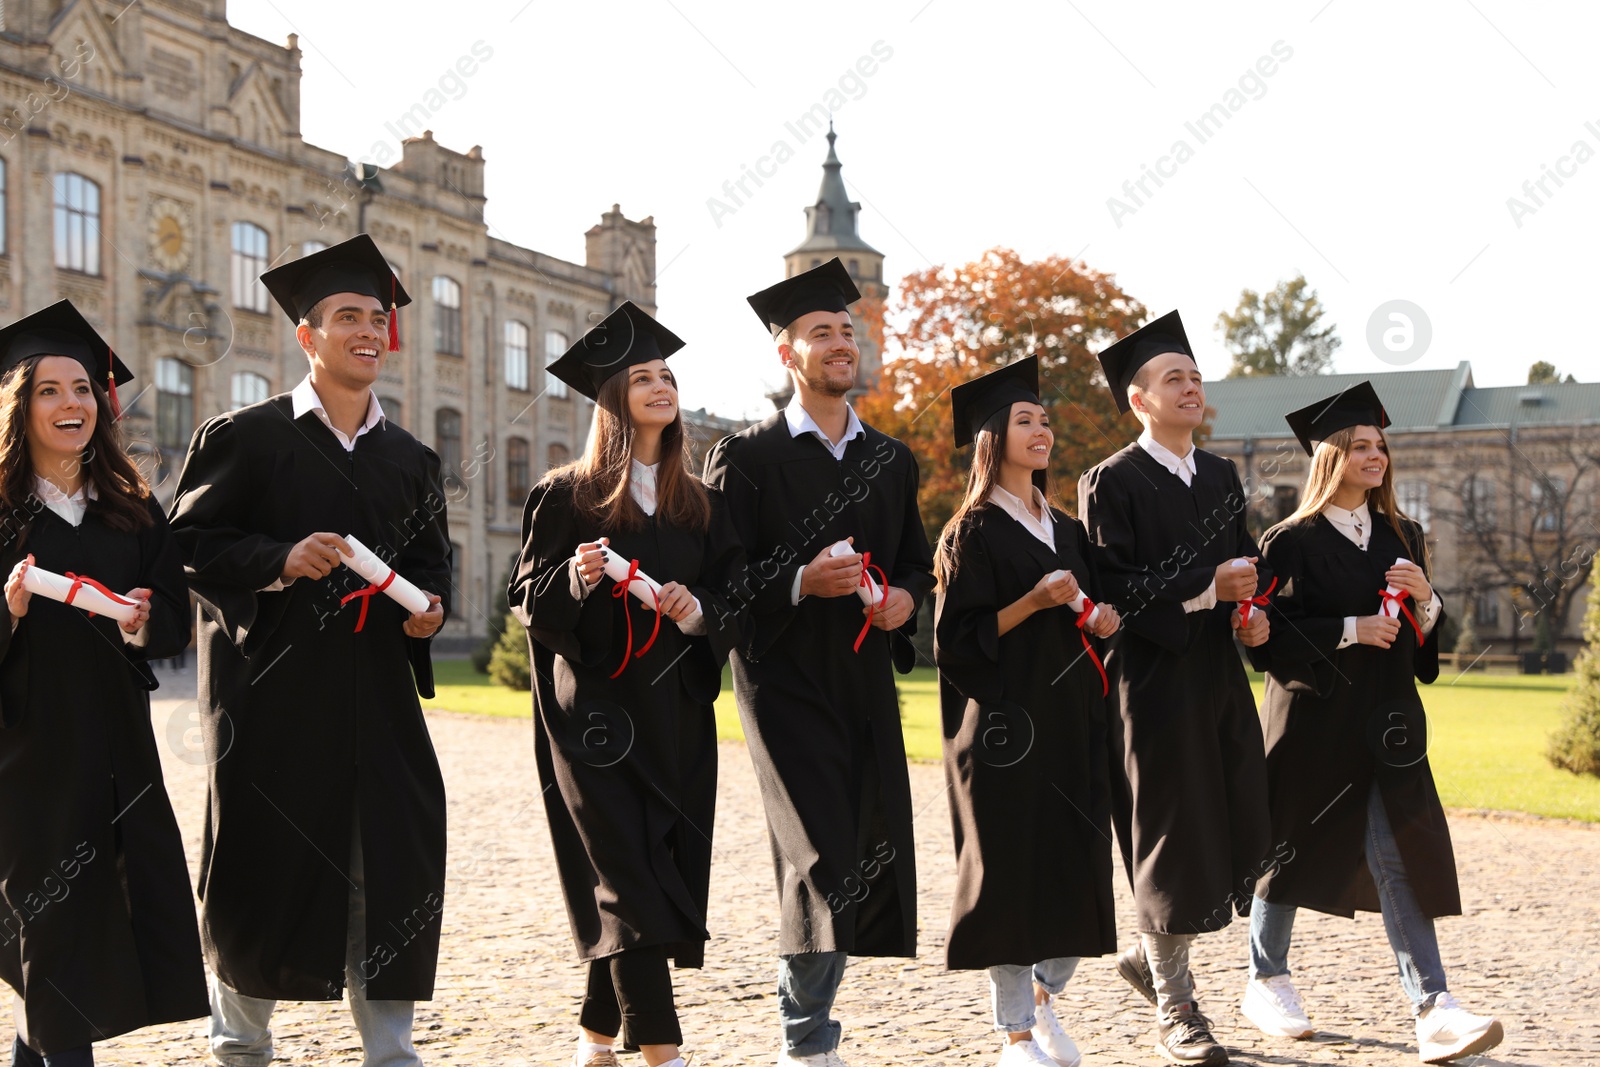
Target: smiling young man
1166 523
815 681
324 850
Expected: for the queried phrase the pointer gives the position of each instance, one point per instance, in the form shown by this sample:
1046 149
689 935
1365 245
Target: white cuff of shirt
1205 601
137 638
1430 614
693 624
1349 637
278 585
794 593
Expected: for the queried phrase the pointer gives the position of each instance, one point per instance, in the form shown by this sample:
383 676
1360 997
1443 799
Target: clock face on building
170 236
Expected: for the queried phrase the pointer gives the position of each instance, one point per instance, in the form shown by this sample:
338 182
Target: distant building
1506 481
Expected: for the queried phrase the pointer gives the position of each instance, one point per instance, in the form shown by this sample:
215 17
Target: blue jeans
1011 990
23 1056
807 984
1411 935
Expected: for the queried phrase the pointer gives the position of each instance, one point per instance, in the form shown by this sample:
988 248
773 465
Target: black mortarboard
1122 360
353 266
974 403
623 339
59 330
1356 406
824 288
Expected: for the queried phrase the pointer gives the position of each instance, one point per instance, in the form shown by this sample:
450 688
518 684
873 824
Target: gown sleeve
913 568
161 571
966 619
722 575
772 575
424 561
546 592
1426 662
1300 649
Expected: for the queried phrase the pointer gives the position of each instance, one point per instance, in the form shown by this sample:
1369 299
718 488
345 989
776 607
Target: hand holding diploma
381 578
1406 576
80 591
832 572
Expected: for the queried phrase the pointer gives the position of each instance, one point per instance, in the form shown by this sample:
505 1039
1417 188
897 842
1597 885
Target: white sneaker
1025 1054
1052 1039
830 1058
1447 1031
1274 1006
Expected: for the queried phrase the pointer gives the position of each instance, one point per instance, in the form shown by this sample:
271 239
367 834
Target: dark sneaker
1184 1036
1136 972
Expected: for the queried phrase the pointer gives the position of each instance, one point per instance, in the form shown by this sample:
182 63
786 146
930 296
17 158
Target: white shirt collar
1042 528
1356 525
70 508
304 398
642 484
800 421
1170 459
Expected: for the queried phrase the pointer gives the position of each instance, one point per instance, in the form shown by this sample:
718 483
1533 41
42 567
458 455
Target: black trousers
23 1056
632 988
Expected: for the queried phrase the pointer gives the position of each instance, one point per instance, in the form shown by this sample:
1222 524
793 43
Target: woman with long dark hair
1022 694
98 935
1355 813
625 738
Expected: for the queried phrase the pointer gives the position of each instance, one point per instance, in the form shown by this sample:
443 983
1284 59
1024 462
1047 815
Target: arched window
312 247
517 355
249 388
392 410
174 403
77 219
249 263
517 471
447 440
446 316
555 346
3 201
556 455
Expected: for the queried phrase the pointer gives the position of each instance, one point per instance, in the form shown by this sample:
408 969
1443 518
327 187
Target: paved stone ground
508 987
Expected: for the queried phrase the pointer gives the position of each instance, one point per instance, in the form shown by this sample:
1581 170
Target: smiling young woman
100 917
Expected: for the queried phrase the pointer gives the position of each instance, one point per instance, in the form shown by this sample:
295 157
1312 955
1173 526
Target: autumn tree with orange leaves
950 324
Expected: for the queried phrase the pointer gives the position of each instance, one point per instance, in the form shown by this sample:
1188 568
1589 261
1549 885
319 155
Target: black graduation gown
305 720
1191 800
1336 720
98 933
822 722
628 764
1024 753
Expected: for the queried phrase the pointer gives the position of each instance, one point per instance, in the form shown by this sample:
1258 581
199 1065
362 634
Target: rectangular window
555 346
516 343
77 223
249 263
174 404
1413 500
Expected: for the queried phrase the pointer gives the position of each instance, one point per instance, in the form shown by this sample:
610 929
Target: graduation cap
974 403
623 339
1356 406
353 266
59 330
824 288
1122 360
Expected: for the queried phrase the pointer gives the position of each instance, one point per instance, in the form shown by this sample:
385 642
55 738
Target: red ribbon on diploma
1399 600
872 608
80 580
620 590
1083 620
366 598
1259 600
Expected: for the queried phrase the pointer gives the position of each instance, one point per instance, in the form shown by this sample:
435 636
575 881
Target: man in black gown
815 687
324 845
1166 524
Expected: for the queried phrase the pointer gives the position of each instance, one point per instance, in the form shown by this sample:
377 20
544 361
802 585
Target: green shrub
1575 746
509 664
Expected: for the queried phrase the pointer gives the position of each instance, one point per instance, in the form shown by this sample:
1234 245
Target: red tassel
394 318
111 392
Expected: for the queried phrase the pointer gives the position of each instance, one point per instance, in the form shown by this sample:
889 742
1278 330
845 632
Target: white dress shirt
800 421
1184 467
1042 528
1357 526
72 509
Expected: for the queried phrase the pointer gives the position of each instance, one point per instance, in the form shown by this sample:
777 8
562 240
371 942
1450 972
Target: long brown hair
988 449
120 490
601 478
1326 474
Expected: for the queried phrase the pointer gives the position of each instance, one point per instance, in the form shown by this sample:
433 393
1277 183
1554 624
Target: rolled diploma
617 570
869 593
366 563
1249 608
1391 608
1076 604
57 586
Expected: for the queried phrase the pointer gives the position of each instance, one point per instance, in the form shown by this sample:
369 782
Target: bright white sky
1378 158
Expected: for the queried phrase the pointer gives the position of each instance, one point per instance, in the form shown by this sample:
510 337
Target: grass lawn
1487 747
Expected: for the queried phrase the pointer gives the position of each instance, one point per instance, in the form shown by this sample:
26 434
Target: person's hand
1409 576
1106 623
1377 630
591 560
315 557
1255 631
830 575
894 611
17 595
141 614
1050 592
425 623
1236 583
677 603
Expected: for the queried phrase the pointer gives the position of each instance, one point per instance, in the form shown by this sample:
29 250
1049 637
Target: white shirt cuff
1349 637
1430 614
137 638
1205 601
794 593
278 586
694 623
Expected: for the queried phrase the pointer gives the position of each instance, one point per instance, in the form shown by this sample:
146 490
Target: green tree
1277 332
1467 636
497 615
1575 746
1543 373
509 664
